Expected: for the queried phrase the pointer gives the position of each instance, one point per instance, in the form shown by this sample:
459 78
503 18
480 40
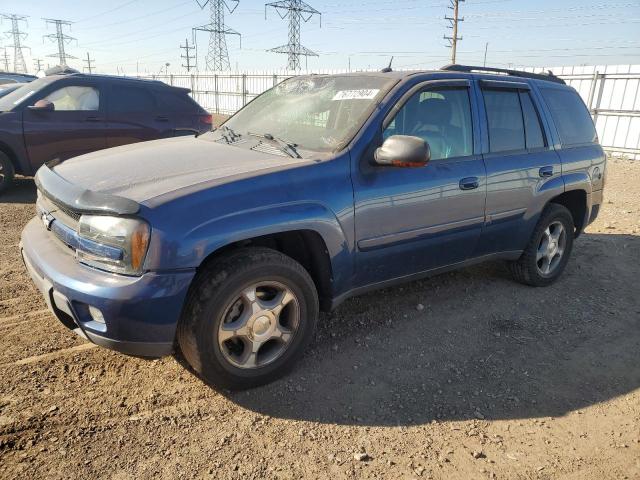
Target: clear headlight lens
124 240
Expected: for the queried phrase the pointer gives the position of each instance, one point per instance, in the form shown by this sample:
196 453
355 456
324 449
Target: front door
409 220
75 126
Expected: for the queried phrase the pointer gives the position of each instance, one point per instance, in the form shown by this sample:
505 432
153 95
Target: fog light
96 314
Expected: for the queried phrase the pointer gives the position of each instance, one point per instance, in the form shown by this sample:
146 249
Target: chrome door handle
545 172
469 183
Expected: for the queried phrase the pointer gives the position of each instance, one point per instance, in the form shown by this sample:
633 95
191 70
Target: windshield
320 113
13 99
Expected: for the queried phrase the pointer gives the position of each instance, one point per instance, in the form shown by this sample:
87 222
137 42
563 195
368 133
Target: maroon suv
63 116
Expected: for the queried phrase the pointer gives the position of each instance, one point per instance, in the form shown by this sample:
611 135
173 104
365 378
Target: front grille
68 212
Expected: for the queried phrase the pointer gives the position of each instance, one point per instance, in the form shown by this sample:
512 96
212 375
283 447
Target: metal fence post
244 89
603 78
215 89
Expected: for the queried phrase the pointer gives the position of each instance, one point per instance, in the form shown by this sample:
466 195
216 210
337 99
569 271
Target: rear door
75 126
181 111
523 169
133 116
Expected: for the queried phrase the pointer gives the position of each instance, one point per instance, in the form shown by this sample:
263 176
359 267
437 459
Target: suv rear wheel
7 172
548 251
248 318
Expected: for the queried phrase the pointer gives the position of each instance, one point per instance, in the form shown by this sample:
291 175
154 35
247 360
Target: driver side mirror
403 151
43 105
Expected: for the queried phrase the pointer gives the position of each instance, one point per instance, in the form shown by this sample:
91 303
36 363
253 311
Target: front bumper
140 313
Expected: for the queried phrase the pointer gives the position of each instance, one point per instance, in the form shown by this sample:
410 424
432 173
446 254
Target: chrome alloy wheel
551 248
258 325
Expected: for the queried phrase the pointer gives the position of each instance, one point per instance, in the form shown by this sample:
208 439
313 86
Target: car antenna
388 69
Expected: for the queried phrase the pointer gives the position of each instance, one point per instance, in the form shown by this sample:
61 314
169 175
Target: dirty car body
312 181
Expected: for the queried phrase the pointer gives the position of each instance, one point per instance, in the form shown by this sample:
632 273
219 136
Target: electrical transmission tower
453 39
296 10
187 55
217 58
88 61
19 65
5 60
60 38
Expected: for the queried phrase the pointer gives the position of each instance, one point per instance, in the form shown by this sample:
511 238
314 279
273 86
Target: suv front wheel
249 317
548 251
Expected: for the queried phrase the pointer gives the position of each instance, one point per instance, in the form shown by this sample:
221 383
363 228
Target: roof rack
549 76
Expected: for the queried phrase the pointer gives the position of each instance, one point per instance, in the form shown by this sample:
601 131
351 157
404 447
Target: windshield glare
320 113
13 99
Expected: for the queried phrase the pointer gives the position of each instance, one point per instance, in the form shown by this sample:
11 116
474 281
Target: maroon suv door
75 126
133 116
181 111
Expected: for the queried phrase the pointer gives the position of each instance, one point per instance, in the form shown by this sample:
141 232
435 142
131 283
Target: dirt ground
464 375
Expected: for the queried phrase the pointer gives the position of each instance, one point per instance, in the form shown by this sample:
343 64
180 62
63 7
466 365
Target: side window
504 118
570 116
532 127
75 98
442 117
131 100
175 102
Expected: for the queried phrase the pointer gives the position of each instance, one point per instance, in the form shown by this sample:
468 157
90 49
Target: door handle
162 118
545 172
93 118
469 183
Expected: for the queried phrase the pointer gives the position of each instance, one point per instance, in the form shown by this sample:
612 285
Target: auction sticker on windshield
362 94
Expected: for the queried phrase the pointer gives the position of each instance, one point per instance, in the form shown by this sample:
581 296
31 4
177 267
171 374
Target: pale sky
145 34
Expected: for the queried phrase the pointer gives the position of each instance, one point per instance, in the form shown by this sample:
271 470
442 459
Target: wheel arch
576 202
8 151
305 246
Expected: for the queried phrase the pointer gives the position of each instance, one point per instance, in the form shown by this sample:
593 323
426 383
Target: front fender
204 239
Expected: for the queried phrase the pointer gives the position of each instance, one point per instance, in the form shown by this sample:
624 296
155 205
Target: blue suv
226 246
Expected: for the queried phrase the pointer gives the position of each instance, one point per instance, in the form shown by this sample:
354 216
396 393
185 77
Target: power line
187 56
217 58
453 39
19 64
88 61
296 10
61 38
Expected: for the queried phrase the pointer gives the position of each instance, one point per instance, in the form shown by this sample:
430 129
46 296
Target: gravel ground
464 375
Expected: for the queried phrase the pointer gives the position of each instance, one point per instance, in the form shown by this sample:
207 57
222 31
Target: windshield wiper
229 135
284 146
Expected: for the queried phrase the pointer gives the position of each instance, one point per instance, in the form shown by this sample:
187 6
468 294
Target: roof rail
549 76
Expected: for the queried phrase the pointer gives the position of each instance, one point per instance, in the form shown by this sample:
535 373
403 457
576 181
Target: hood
142 171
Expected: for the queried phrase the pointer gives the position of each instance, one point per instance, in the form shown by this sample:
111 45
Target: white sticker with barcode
362 94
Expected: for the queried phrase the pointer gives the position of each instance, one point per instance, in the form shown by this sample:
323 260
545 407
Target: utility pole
217 58
88 62
38 64
19 65
187 55
453 39
60 38
296 10
486 47
5 60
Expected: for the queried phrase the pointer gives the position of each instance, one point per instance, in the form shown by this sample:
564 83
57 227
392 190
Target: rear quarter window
176 102
571 117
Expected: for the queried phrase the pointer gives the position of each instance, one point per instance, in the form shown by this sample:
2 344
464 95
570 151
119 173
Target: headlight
116 244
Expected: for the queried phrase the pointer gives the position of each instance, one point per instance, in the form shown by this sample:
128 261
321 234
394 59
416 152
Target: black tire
526 269
209 298
7 172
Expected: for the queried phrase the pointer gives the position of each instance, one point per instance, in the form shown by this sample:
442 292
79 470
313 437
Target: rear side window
532 127
570 115
129 99
504 118
175 102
